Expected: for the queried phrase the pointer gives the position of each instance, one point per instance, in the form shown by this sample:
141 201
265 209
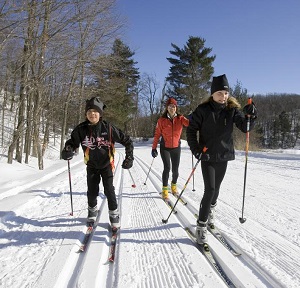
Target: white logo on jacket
93 143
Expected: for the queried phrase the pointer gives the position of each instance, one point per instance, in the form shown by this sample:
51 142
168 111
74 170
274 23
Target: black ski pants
167 155
93 180
213 174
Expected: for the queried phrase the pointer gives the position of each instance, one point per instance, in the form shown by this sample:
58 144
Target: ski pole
149 171
69 170
133 185
192 173
242 219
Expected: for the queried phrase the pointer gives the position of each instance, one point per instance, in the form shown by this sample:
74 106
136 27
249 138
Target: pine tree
190 72
117 78
240 93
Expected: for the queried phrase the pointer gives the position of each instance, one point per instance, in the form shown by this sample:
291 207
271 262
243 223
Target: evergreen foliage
278 120
239 93
190 72
117 78
56 56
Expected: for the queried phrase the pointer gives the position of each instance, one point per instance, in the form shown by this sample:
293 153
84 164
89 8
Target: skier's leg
175 159
165 156
109 191
208 173
93 180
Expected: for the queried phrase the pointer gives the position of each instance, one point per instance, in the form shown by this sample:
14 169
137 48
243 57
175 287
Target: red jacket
170 130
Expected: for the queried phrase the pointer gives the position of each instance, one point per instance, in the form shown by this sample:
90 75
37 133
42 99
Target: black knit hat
95 103
219 83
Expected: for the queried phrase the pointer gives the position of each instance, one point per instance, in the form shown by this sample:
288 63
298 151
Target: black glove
154 153
200 155
67 153
250 109
128 162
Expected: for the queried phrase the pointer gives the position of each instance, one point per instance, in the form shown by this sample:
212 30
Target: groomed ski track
157 254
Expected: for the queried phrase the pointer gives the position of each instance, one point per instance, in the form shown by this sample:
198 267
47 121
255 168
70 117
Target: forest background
56 54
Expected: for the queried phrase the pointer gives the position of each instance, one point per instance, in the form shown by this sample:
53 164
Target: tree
56 42
239 92
285 130
149 102
190 72
278 119
117 79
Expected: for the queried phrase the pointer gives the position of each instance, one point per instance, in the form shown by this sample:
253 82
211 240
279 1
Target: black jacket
215 125
97 142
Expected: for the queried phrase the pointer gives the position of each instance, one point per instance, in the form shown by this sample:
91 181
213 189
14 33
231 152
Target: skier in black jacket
213 120
97 138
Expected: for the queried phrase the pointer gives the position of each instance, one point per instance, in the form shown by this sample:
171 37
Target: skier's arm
71 145
241 120
184 121
195 121
120 137
74 142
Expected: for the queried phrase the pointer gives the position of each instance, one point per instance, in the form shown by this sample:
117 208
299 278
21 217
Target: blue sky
256 42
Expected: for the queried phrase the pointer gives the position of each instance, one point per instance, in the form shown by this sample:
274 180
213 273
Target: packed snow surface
39 239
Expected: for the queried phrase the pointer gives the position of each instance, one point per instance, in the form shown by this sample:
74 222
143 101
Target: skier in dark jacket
213 120
97 138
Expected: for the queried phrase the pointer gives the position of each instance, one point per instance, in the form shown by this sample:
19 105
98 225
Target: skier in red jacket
168 130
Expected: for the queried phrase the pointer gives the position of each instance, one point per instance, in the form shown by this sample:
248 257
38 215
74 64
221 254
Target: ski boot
114 218
211 216
201 232
165 193
174 189
92 215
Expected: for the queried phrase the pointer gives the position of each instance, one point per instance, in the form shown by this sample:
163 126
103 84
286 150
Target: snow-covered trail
149 253
39 239
35 225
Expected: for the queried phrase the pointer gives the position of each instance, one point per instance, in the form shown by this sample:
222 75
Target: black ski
91 226
170 205
176 195
218 235
211 259
113 244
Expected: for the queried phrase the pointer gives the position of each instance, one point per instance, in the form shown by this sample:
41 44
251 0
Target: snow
39 239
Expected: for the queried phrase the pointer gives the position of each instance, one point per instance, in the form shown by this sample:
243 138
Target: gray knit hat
95 103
